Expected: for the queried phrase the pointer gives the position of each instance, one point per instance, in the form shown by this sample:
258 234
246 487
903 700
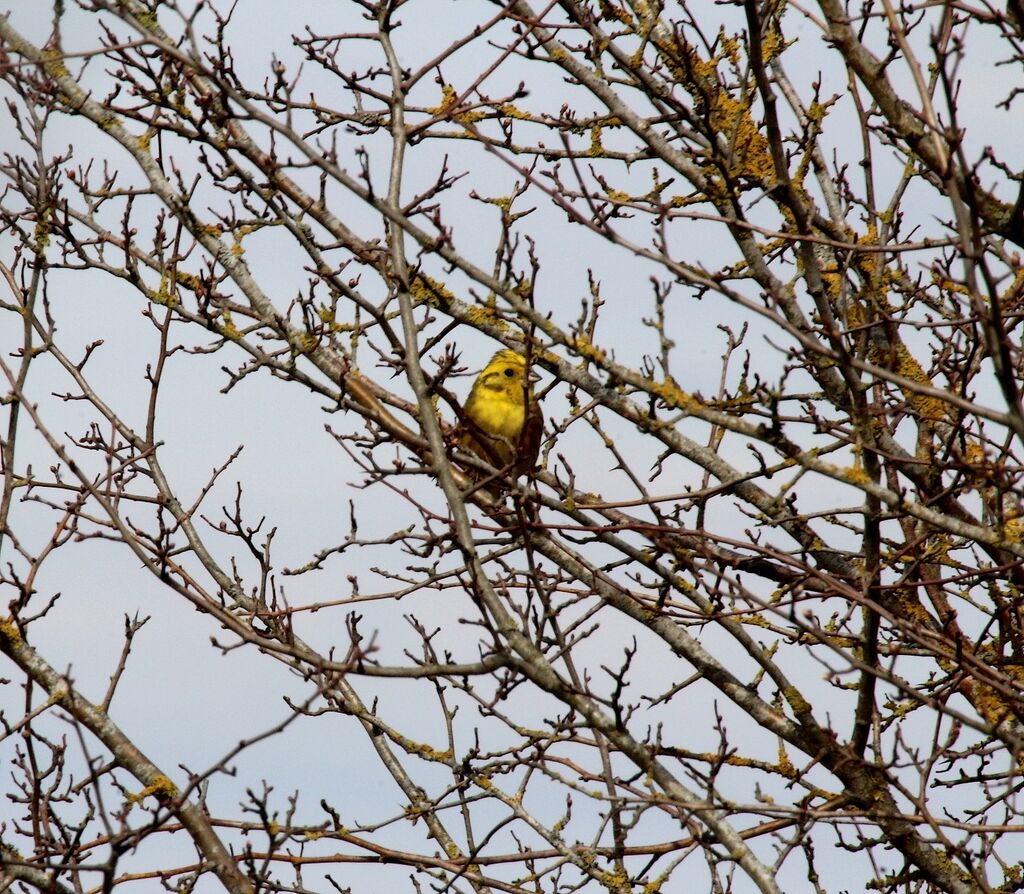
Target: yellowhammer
505 421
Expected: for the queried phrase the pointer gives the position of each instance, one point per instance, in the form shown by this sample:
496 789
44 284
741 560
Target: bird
504 423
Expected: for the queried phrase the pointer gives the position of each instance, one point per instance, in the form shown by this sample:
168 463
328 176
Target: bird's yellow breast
498 412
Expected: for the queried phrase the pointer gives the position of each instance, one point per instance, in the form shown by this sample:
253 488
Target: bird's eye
509 371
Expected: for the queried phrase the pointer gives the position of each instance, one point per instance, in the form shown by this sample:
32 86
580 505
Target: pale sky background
186 704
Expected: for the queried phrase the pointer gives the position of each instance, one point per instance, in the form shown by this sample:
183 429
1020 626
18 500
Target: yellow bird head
502 379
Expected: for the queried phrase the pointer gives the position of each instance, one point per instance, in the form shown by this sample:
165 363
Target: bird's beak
534 376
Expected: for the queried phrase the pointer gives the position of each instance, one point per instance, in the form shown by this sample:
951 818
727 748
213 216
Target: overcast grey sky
188 705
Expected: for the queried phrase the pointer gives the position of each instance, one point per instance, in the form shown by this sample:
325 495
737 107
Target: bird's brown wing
530 437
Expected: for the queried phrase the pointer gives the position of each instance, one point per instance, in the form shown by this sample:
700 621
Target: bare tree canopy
279 614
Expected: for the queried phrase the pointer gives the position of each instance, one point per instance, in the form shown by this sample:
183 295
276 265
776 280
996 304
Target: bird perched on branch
505 423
